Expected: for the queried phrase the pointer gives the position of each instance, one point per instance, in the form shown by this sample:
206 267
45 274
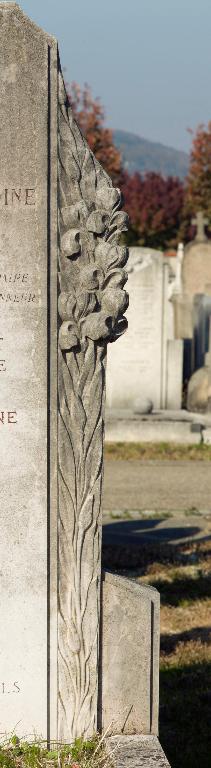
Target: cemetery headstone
60 221
195 278
196 265
200 222
37 678
28 369
139 369
199 387
191 301
201 322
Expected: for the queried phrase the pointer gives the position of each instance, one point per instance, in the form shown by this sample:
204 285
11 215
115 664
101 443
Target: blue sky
149 61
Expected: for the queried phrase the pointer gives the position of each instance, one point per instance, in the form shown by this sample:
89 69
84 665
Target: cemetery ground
173 554
81 754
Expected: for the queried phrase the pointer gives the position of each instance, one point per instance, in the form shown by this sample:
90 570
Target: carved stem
91 303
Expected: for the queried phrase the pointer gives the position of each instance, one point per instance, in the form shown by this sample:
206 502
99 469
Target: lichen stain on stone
9 74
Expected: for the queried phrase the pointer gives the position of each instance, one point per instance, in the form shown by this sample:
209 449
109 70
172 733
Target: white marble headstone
28 107
136 369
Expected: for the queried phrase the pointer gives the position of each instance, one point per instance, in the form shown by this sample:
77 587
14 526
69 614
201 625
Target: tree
155 205
198 185
198 182
90 116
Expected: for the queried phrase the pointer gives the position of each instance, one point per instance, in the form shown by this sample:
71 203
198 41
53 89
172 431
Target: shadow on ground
135 531
185 715
135 543
169 643
175 560
183 589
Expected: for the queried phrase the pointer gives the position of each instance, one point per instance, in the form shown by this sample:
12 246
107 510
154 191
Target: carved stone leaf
91 306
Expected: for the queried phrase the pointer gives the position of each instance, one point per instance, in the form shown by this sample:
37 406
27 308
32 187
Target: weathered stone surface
201 323
129 656
136 752
174 374
138 369
143 405
140 376
91 305
199 391
139 430
196 268
50 597
195 284
28 293
207 436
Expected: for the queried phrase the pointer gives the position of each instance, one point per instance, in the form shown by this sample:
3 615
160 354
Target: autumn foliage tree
155 205
90 116
198 183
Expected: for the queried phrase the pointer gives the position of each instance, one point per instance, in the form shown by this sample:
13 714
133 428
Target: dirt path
157 485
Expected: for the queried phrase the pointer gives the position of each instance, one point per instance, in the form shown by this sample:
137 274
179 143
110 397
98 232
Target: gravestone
28 369
60 221
199 386
191 302
195 278
196 265
143 367
130 646
201 322
40 674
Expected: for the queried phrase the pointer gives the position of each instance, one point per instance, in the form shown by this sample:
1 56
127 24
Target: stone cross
200 222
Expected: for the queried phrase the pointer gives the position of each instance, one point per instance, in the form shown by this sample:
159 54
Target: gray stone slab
129 656
174 374
207 436
158 415
136 752
150 431
28 189
136 369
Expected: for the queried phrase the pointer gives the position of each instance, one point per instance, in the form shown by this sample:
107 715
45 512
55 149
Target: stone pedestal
136 752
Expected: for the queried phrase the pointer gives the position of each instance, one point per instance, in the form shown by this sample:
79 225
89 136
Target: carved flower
92 299
94 309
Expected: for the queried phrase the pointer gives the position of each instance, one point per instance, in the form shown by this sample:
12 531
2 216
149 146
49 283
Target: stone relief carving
92 301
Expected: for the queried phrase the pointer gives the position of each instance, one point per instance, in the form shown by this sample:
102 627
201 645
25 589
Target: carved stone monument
192 301
199 387
62 269
195 278
148 361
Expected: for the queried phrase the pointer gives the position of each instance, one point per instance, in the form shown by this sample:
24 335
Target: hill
143 155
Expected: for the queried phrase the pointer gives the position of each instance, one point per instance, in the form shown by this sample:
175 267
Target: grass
157 451
81 754
127 514
183 577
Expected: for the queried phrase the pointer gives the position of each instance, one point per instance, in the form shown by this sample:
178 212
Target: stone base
181 426
136 752
146 430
